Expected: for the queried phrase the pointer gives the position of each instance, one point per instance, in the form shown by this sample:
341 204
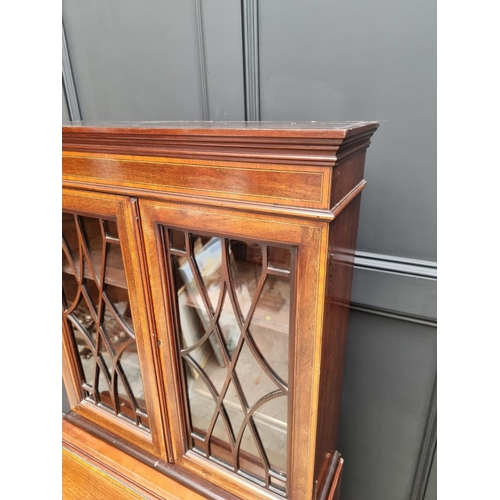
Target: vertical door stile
153 335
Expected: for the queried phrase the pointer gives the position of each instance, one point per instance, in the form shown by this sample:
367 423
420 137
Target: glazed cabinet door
108 359
238 355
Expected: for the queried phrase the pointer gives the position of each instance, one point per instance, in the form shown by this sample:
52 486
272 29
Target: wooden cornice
296 143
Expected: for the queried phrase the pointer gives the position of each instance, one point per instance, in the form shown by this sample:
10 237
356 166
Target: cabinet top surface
321 129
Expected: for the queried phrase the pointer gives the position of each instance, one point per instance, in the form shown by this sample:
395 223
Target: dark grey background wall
316 60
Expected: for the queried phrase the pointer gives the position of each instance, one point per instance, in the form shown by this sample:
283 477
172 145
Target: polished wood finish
153 479
298 143
79 476
289 185
258 183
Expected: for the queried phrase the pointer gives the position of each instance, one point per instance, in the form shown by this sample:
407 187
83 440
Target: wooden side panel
347 174
298 186
347 177
342 242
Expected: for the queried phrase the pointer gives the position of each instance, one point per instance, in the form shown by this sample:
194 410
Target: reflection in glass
270 423
233 409
249 451
255 383
85 354
234 303
111 229
129 364
97 313
279 258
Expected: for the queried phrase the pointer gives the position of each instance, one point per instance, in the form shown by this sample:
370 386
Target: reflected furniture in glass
206 284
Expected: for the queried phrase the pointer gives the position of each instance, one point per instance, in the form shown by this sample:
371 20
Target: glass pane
228 325
245 266
233 320
70 233
177 240
85 354
249 463
233 408
219 437
270 422
129 363
97 311
202 390
111 229
255 382
270 324
279 258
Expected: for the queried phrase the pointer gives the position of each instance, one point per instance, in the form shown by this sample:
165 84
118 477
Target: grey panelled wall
317 60
389 367
223 47
432 483
65 112
360 60
134 60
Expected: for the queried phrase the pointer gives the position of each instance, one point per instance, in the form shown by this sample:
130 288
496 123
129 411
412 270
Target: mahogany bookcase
207 273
